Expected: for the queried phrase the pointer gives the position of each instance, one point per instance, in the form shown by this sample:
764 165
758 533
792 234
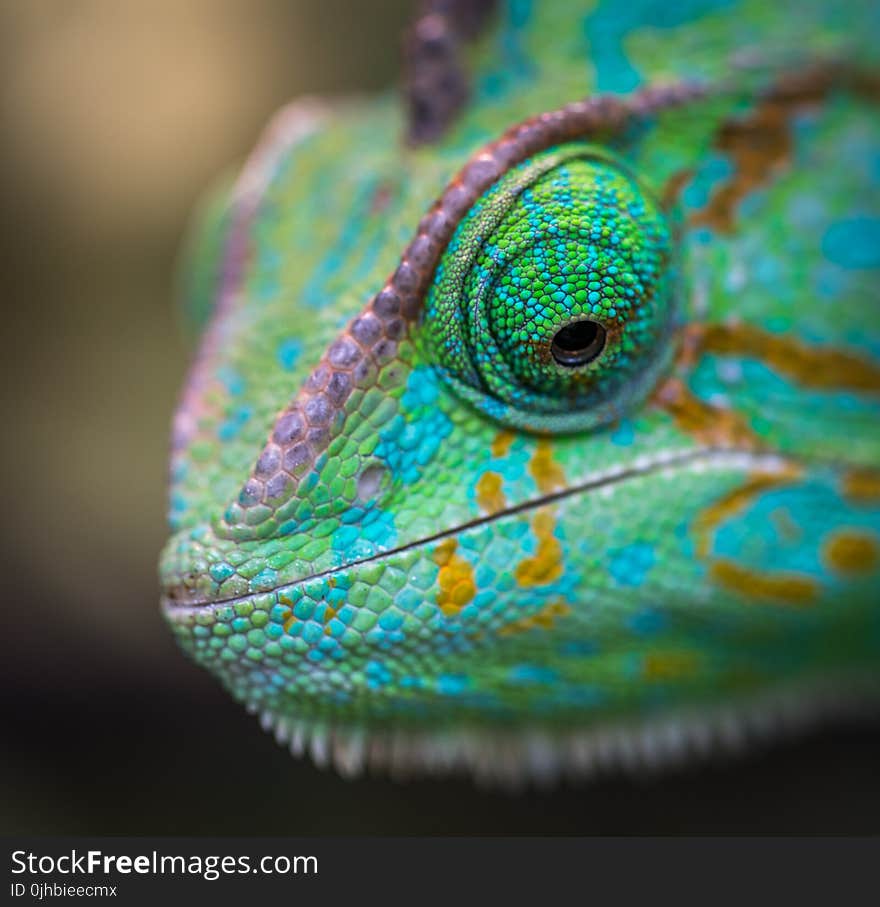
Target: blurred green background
115 116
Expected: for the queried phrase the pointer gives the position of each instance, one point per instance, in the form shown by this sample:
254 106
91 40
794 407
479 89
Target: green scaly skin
459 550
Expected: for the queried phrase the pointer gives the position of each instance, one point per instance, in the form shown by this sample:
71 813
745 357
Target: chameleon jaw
180 599
535 751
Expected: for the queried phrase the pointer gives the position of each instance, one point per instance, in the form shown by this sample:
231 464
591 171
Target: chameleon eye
552 307
578 343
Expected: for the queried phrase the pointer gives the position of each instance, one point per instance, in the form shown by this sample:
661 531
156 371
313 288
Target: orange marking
851 552
690 347
501 443
789 588
456 578
862 486
820 367
540 620
546 565
709 424
329 613
546 472
669 665
734 502
759 143
671 191
490 496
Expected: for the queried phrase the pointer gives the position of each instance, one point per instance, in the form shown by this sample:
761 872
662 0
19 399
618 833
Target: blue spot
335 627
631 564
610 23
528 674
327 644
177 509
416 433
279 613
647 622
519 13
288 352
304 609
390 620
363 534
220 572
829 280
698 191
229 429
312 632
231 380
514 64
577 647
422 387
377 674
624 434
352 515
451 684
344 536
408 599
853 243
411 682
783 528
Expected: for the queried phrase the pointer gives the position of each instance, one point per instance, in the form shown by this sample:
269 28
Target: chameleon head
531 505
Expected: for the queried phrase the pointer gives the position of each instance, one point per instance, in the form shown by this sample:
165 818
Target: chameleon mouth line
713 457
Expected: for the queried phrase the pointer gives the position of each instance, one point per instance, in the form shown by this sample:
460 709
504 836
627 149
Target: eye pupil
578 343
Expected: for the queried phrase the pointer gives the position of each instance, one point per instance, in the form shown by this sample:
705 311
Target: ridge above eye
551 308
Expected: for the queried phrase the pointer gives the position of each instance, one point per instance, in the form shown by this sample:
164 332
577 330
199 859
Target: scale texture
551 442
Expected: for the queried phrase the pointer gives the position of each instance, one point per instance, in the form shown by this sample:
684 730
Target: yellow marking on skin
289 619
329 613
851 552
820 367
759 143
669 665
456 578
673 187
709 424
444 552
861 486
490 496
734 502
546 472
501 443
540 620
546 565
788 588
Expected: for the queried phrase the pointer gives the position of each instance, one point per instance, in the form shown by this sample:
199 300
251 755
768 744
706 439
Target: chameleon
533 429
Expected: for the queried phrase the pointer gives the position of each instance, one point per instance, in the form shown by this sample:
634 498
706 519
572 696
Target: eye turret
552 307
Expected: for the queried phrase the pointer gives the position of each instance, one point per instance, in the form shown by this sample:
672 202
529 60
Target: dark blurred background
114 117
